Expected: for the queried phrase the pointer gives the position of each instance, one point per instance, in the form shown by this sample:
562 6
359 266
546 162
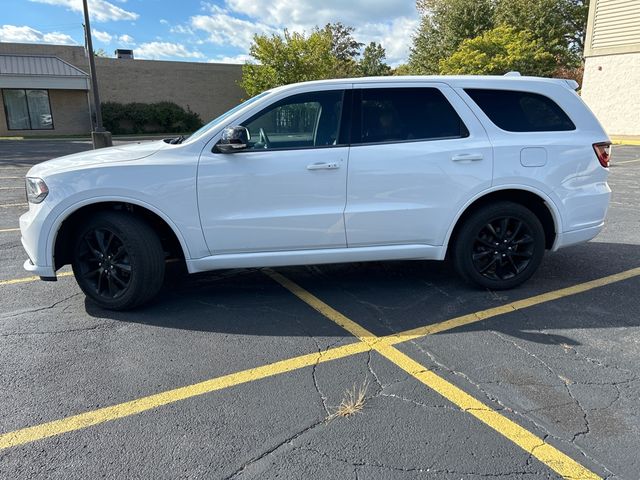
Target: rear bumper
576 237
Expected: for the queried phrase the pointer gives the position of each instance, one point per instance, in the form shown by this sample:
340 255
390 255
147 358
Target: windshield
198 133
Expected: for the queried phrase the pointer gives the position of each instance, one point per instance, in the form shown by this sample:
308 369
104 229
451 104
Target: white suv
489 171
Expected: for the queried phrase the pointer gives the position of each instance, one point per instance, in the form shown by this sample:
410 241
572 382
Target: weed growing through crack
352 402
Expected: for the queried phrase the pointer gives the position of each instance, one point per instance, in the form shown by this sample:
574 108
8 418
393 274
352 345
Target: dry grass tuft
352 402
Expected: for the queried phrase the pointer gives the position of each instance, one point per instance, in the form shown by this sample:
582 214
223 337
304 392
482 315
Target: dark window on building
300 121
521 111
27 109
406 114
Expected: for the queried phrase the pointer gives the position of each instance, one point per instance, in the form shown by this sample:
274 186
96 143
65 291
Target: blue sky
204 31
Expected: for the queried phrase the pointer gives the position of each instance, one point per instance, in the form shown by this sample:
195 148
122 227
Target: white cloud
225 29
181 29
308 13
127 39
238 59
164 21
100 10
395 37
26 34
390 23
160 50
103 37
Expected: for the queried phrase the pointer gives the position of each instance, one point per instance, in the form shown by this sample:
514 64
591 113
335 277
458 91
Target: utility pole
101 138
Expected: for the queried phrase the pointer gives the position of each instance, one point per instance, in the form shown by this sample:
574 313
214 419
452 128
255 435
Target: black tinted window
405 114
521 111
300 121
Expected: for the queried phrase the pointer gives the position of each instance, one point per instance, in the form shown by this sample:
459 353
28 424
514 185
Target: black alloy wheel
499 246
118 260
104 263
503 248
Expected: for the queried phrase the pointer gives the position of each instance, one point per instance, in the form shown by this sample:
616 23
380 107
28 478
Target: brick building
45 89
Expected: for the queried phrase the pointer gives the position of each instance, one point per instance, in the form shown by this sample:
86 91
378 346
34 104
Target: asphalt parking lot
236 374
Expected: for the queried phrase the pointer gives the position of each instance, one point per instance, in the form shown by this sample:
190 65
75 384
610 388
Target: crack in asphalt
38 309
272 450
418 469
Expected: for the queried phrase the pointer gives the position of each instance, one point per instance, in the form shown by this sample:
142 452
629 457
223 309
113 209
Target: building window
27 109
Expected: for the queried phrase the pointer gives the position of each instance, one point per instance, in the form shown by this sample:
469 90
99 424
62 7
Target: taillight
603 152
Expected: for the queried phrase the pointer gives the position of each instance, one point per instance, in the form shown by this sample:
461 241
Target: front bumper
33 237
45 273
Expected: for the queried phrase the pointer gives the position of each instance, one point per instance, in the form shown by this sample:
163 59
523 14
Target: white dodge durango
489 171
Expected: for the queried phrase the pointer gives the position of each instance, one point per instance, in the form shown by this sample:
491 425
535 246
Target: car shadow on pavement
390 297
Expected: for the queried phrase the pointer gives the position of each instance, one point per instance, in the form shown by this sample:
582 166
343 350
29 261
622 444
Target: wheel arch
59 246
540 204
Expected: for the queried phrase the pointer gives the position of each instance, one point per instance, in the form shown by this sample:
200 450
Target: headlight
37 190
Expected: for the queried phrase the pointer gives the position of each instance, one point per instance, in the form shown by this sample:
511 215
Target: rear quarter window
521 111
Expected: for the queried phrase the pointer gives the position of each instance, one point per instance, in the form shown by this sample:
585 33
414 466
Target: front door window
302 121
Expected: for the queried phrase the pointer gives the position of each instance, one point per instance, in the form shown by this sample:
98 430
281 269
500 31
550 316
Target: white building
611 84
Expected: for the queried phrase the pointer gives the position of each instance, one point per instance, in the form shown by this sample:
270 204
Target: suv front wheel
118 260
499 246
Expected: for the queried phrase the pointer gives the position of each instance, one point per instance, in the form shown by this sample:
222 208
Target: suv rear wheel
499 246
118 260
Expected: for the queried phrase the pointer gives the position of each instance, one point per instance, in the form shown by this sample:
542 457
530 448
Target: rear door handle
467 157
323 166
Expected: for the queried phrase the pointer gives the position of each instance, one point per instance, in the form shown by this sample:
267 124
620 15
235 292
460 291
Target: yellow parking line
87 419
8 205
529 442
95 417
31 279
4 230
509 307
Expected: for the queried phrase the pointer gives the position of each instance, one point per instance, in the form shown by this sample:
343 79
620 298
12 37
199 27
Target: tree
498 51
100 53
372 63
344 48
404 69
559 24
445 24
288 58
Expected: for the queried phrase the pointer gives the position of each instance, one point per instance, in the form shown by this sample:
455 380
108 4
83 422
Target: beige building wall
70 111
611 83
208 89
611 88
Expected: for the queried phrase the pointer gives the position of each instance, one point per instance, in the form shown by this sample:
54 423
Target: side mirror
233 139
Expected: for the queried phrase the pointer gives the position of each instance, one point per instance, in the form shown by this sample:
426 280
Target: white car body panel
386 201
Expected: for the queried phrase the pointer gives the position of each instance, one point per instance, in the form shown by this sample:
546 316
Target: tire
499 246
118 260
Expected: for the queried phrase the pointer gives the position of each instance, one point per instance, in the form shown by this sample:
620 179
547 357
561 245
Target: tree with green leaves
499 51
559 25
288 58
445 24
372 62
344 47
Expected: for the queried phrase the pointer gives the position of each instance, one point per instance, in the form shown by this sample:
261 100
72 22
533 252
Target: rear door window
385 115
521 111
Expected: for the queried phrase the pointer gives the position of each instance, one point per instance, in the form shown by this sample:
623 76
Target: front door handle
323 166
467 157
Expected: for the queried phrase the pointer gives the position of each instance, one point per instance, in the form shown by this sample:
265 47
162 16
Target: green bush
161 117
